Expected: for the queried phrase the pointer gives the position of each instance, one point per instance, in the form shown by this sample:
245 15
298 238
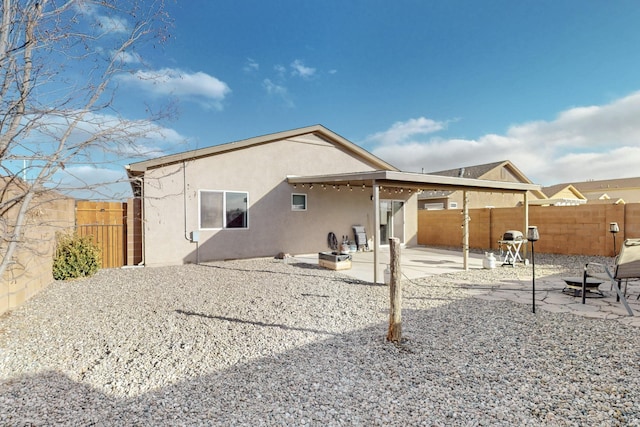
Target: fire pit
334 260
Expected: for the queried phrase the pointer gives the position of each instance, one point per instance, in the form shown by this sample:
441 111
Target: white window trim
224 209
306 202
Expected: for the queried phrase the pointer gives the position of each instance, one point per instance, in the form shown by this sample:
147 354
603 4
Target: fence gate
107 223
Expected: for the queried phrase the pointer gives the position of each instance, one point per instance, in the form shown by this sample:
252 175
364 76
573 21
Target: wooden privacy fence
568 230
106 222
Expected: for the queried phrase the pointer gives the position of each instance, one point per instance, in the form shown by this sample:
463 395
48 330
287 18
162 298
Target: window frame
224 209
306 202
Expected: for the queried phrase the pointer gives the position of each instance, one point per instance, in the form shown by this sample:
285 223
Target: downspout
142 224
141 181
184 205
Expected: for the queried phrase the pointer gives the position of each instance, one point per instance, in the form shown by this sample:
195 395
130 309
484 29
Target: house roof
138 168
553 190
607 184
477 172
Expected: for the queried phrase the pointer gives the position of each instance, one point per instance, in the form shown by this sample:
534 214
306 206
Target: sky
552 86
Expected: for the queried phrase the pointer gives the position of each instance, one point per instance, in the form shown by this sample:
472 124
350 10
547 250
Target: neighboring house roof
478 172
629 188
138 168
563 191
607 201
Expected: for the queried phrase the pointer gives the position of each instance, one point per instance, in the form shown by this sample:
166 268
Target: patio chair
627 267
360 236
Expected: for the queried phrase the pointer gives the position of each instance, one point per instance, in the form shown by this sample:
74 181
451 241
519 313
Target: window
298 202
223 209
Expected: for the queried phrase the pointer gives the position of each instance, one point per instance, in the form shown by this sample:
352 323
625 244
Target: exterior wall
568 230
564 194
171 203
32 270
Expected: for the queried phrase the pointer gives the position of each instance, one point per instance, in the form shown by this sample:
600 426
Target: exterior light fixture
614 229
533 236
311 187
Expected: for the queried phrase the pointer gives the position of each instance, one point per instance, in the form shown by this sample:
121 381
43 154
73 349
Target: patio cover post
465 230
376 229
526 221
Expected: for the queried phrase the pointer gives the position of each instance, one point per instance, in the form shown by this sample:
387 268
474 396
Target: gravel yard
261 342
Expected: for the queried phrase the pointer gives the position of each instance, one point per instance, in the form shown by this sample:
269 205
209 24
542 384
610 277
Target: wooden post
395 292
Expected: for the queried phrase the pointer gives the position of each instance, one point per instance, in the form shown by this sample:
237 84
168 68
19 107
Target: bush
76 256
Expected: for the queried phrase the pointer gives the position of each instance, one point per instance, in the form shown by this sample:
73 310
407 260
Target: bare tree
59 67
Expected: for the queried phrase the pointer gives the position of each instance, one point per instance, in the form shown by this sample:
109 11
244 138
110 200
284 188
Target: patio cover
415 182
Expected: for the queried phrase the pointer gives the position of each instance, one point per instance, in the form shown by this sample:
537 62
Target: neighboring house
503 171
623 190
561 195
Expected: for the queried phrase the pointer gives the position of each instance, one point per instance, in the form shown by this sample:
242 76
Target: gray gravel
261 342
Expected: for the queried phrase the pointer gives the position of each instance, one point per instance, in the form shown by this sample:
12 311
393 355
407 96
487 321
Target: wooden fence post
395 291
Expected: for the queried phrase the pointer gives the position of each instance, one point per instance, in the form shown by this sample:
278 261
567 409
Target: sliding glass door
391 220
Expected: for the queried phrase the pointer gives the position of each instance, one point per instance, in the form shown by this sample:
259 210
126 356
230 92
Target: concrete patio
421 262
417 262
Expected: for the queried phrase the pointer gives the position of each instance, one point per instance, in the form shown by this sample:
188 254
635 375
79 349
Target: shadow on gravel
300 265
255 323
461 365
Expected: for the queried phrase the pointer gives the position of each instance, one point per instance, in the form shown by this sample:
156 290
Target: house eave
415 181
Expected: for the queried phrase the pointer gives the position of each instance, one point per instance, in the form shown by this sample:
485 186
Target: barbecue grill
512 235
510 245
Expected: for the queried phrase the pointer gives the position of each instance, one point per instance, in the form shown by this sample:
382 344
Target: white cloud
277 90
198 87
127 57
251 66
107 23
301 70
402 131
592 142
94 183
280 70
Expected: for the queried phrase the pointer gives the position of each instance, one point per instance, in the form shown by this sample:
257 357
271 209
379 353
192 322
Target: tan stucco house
282 192
561 195
502 171
614 191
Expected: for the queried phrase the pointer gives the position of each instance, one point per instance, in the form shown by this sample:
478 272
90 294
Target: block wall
31 269
568 230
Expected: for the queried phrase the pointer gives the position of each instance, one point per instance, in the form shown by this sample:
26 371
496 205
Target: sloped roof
138 168
477 172
553 190
606 184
